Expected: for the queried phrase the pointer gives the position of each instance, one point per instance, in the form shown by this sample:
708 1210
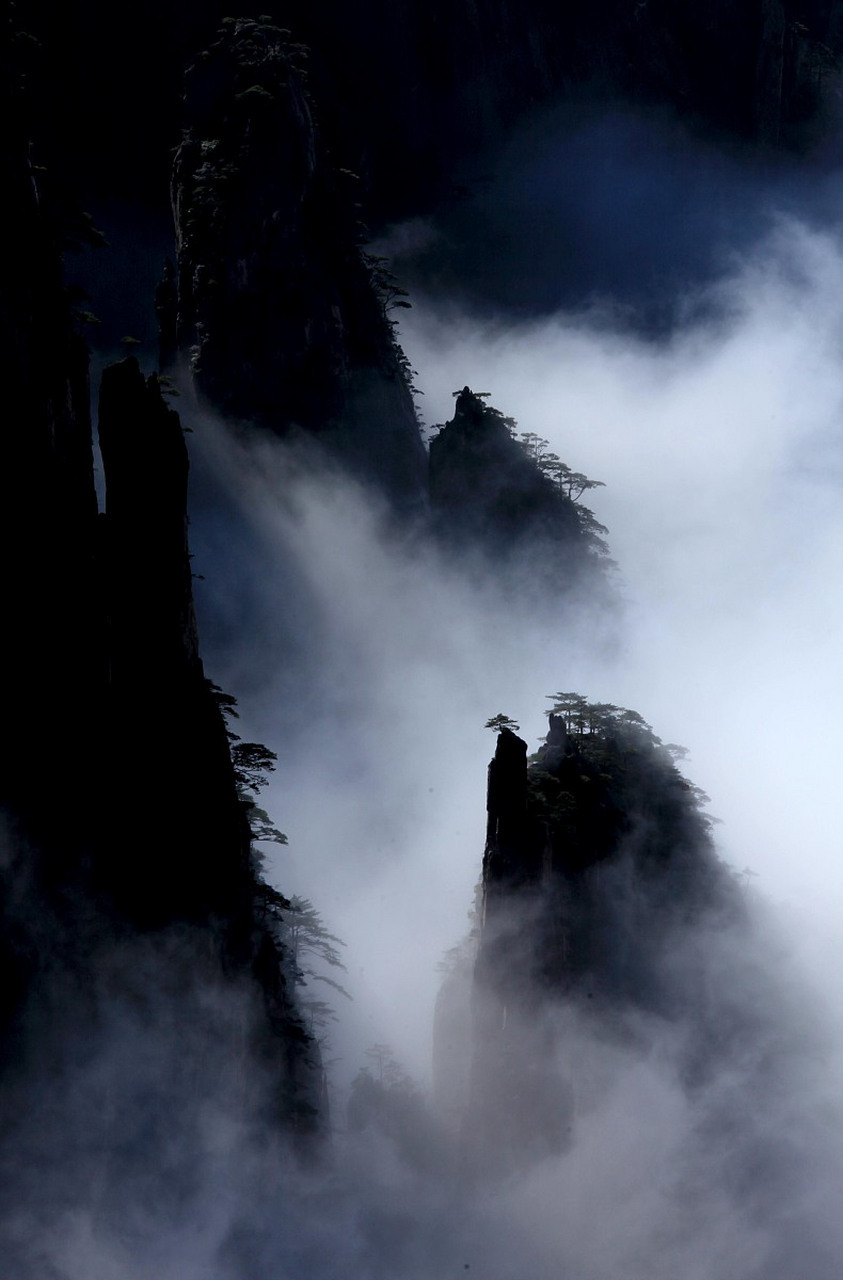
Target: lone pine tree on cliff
500 721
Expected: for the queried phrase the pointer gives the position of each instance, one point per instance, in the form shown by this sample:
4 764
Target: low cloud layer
722 454
720 450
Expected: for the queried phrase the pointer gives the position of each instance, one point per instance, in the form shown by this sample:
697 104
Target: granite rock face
408 92
166 746
283 318
488 497
123 829
599 880
598 796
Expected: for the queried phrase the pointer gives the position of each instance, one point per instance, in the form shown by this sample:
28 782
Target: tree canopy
583 718
500 721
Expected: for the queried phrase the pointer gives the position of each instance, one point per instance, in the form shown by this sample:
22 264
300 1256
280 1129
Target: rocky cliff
122 817
409 92
283 317
489 495
598 795
599 875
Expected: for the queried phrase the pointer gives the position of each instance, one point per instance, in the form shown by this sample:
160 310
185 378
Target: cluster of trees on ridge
602 733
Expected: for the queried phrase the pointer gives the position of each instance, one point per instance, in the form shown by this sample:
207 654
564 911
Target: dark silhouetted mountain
409 91
281 314
122 819
601 894
488 494
593 797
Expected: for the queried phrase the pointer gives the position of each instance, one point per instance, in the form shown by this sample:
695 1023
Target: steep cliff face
599 875
123 825
48 650
164 743
47 500
283 318
488 495
600 795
